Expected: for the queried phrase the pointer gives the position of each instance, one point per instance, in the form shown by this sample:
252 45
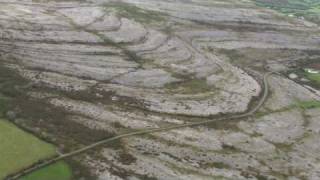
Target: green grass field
58 171
19 149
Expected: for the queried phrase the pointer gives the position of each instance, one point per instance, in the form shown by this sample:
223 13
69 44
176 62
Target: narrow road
146 131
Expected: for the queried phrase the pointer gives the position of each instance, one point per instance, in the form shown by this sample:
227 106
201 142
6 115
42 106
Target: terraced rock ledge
92 69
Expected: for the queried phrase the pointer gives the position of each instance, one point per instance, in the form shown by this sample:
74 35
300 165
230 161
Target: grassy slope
19 149
58 171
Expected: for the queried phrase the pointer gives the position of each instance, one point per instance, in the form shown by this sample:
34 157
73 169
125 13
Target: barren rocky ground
81 71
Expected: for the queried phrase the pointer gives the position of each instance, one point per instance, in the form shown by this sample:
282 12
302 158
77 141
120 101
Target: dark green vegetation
315 77
58 171
3 105
309 9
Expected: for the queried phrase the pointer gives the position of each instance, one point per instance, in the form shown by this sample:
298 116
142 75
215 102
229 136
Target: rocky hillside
85 70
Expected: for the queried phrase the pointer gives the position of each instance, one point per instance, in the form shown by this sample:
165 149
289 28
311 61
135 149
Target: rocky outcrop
110 67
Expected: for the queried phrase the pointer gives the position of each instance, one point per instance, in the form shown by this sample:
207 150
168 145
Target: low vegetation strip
19 149
309 9
313 77
309 104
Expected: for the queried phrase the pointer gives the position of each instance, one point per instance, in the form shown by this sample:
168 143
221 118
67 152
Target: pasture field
20 149
58 171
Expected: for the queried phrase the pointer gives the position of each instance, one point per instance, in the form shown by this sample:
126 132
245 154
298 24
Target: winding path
146 131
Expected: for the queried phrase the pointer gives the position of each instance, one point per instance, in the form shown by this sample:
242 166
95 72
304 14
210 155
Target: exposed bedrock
117 67
125 57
